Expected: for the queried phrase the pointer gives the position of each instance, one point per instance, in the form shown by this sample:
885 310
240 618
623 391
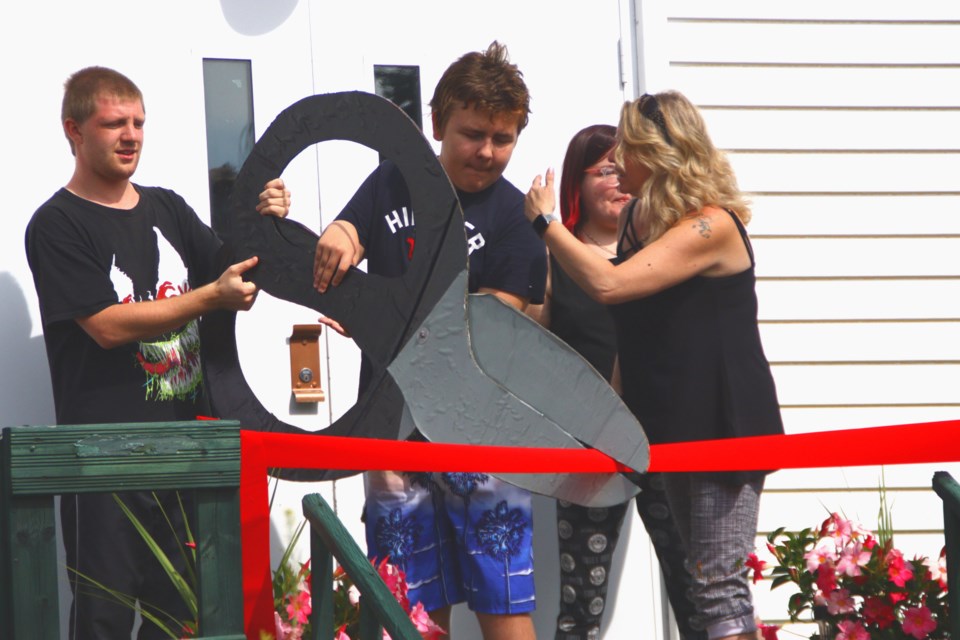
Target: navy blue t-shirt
504 251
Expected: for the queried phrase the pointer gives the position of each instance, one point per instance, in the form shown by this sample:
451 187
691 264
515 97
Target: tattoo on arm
702 224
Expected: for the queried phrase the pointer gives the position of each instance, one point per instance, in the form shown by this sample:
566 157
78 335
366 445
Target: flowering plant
293 602
858 586
346 603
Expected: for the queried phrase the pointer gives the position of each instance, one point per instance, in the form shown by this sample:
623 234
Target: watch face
540 224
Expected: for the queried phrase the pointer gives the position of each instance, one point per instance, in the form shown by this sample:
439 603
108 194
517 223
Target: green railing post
330 532
949 491
321 564
38 462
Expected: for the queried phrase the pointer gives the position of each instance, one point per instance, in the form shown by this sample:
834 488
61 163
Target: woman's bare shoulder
709 223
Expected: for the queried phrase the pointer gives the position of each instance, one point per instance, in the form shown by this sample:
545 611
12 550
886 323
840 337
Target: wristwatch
541 222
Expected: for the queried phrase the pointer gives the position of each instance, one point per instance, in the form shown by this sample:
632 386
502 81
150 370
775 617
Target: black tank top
691 361
580 321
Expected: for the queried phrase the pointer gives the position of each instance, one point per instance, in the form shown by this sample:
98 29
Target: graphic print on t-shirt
402 219
171 363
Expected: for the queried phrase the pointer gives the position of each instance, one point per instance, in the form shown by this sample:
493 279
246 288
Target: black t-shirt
582 322
86 257
504 251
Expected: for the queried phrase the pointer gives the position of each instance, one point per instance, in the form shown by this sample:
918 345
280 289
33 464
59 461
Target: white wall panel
846 172
813 42
860 129
799 214
815 419
842 119
863 479
857 257
861 342
849 10
917 509
843 385
817 86
858 299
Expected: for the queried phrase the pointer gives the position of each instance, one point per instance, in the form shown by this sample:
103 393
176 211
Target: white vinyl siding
843 122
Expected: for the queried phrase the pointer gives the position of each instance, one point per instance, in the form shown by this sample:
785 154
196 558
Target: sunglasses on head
650 109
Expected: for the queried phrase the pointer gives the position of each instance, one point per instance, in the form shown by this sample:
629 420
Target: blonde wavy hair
687 173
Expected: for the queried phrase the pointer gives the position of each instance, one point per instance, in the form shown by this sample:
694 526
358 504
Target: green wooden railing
949 491
328 540
37 463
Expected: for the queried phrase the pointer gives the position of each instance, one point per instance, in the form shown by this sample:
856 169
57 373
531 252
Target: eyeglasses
650 109
605 173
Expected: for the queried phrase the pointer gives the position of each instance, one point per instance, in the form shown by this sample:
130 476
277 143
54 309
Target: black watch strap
540 224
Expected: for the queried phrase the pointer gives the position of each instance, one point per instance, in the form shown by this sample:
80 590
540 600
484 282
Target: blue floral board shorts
459 537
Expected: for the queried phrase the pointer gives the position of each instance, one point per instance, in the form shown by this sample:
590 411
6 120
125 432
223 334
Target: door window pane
228 102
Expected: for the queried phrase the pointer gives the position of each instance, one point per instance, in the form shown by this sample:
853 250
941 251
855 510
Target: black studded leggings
588 538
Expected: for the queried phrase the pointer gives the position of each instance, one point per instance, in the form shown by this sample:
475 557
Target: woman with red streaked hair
590 205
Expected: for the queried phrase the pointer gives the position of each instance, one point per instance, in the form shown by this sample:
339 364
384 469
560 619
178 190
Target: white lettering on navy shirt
475 241
399 219
402 218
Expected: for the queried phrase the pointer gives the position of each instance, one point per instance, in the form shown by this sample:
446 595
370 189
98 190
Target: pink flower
899 571
396 581
850 630
824 552
851 559
918 622
840 601
755 563
768 631
826 578
341 634
299 607
841 529
429 629
353 595
284 630
938 569
304 573
877 611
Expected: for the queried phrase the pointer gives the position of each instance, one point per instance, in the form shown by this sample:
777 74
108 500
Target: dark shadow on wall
255 17
26 396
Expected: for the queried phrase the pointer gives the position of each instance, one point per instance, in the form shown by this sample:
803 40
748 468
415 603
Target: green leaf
131 603
780 580
185 591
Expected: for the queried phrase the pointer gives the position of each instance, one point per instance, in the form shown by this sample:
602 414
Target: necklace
598 245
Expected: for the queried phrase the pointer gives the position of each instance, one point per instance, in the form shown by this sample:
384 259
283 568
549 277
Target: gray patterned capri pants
717 520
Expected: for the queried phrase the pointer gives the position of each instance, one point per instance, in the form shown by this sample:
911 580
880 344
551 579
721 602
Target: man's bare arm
121 324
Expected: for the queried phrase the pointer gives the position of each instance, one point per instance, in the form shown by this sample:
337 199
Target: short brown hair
488 81
81 90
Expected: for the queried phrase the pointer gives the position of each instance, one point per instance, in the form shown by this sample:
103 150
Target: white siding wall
843 118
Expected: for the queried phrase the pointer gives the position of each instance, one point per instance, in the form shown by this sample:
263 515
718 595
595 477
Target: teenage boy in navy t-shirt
434 526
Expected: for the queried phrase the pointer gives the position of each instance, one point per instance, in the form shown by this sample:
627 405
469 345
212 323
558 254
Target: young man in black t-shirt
122 274
435 526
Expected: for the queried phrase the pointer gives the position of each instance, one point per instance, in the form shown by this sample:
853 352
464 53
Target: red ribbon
259 451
